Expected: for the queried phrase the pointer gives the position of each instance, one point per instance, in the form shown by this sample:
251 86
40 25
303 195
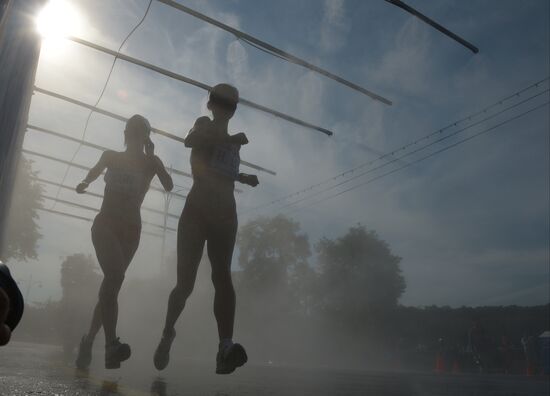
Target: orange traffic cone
456 367
439 364
530 370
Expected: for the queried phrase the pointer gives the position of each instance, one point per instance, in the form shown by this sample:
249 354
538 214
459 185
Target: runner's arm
251 180
94 173
201 136
164 177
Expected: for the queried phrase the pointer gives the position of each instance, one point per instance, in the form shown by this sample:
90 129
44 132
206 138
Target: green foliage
78 276
22 231
359 275
273 254
80 285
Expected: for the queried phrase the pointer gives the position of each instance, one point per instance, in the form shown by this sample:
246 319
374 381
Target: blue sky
471 223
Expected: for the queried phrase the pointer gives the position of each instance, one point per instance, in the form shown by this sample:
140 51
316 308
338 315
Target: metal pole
263 46
434 24
199 84
19 53
121 118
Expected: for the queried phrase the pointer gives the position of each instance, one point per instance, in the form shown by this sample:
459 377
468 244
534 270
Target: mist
388 247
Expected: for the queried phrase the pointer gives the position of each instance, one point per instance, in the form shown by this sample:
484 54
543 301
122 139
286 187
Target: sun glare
58 19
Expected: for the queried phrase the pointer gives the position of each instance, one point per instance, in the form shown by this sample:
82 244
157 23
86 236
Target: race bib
226 160
124 181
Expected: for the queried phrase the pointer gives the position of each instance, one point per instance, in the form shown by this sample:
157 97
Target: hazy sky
471 223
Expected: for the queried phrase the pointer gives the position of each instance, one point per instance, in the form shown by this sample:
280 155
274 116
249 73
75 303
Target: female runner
116 229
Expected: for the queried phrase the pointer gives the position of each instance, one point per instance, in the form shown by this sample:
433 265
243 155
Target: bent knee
111 285
183 290
114 278
222 279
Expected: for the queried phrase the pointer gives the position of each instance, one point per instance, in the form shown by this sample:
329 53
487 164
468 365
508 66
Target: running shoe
162 354
84 357
229 358
115 353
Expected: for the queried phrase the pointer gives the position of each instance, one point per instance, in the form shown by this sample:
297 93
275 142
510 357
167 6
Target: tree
80 285
22 229
78 275
273 253
359 275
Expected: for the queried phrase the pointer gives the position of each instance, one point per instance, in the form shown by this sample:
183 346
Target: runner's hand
239 138
149 147
251 180
81 188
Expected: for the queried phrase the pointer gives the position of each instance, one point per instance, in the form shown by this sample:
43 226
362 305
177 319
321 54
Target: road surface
36 370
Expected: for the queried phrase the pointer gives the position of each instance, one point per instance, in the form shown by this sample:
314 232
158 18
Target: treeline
334 302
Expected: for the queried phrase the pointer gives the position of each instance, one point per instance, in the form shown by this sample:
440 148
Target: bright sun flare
58 19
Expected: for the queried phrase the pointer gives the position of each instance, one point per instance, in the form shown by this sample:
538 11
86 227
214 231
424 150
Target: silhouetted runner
210 216
116 229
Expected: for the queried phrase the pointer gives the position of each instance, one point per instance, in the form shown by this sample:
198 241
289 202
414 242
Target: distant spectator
505 352
478 345
530 350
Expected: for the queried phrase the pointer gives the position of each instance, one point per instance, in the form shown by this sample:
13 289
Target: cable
270 49
404 147
417 150
425 157
201 85
100 97
392 153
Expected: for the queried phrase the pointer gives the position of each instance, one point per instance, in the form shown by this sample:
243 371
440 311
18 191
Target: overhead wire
266 47
401 148
100 97
395 159
462 141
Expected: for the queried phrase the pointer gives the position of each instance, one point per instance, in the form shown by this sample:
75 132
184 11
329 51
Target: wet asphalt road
32 369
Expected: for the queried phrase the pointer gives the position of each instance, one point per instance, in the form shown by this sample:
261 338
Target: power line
499 102
417 150
425 157
124 119
201 85
101 96
270 49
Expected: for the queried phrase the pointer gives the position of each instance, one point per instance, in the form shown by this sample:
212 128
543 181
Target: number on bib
226 160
